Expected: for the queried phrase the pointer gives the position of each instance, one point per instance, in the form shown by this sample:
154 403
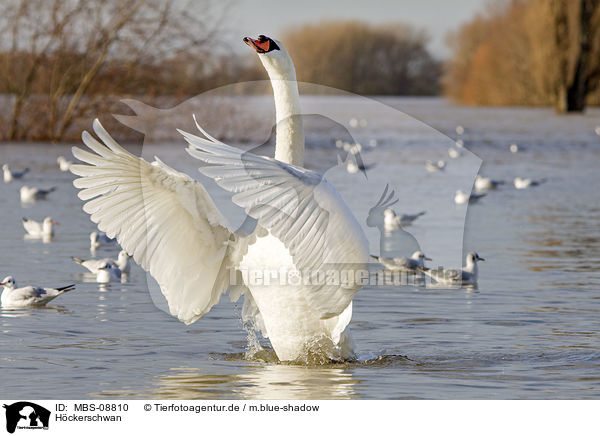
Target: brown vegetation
356 57
528 52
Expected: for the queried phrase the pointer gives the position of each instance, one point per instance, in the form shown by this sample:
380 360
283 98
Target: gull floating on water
486 183
460 130
63 163
437 166
460 143
94 265
468 275
391 221
9 175
514 148
462 197
108 273
28 295
29 195
521 183
35 229
454 153
99 239
412 263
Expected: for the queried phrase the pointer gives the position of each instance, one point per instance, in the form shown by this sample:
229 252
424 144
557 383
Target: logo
26 415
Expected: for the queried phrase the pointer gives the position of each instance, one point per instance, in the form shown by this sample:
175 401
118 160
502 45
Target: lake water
530 330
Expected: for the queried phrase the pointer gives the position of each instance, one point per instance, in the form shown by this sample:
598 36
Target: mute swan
9 175
468 275
28 295
173 229
35 229
94 265
28 194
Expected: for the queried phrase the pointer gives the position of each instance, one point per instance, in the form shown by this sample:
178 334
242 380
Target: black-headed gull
63 163
462 197
94 265
35 229
412 263
107 272
486 183
392 221
99 239
524 183
28 295
29 194
9 175
433 167
468 275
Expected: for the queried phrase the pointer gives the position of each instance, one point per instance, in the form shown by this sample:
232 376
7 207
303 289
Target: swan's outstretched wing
301 209
162 217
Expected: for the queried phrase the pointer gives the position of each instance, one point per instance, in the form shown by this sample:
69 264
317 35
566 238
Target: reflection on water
276 382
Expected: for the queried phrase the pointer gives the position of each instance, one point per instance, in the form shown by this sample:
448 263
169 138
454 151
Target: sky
273 17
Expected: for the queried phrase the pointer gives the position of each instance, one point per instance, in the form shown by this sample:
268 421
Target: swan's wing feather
297 206
165 219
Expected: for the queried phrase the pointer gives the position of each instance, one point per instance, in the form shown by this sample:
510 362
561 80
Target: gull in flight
468 275
28 295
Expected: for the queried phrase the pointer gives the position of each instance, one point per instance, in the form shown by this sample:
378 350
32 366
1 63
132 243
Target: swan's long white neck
289 139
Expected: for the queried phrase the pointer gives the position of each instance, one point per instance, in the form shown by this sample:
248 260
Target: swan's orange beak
259 45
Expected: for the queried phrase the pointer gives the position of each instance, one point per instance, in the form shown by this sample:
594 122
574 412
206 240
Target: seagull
63 163
486 183
460 143
454 153
29 195
521 183
36 229
466 276
9 175
432 167
460 130
412 263
99 239
461 197
94 265
514 148
108 273
353 167
392 221
28 295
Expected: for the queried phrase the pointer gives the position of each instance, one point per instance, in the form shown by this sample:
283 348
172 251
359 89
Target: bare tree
61 59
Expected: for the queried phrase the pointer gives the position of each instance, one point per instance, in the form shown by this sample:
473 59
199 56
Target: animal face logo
26 415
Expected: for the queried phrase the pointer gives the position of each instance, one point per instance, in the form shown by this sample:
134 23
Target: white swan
28 295
173 229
